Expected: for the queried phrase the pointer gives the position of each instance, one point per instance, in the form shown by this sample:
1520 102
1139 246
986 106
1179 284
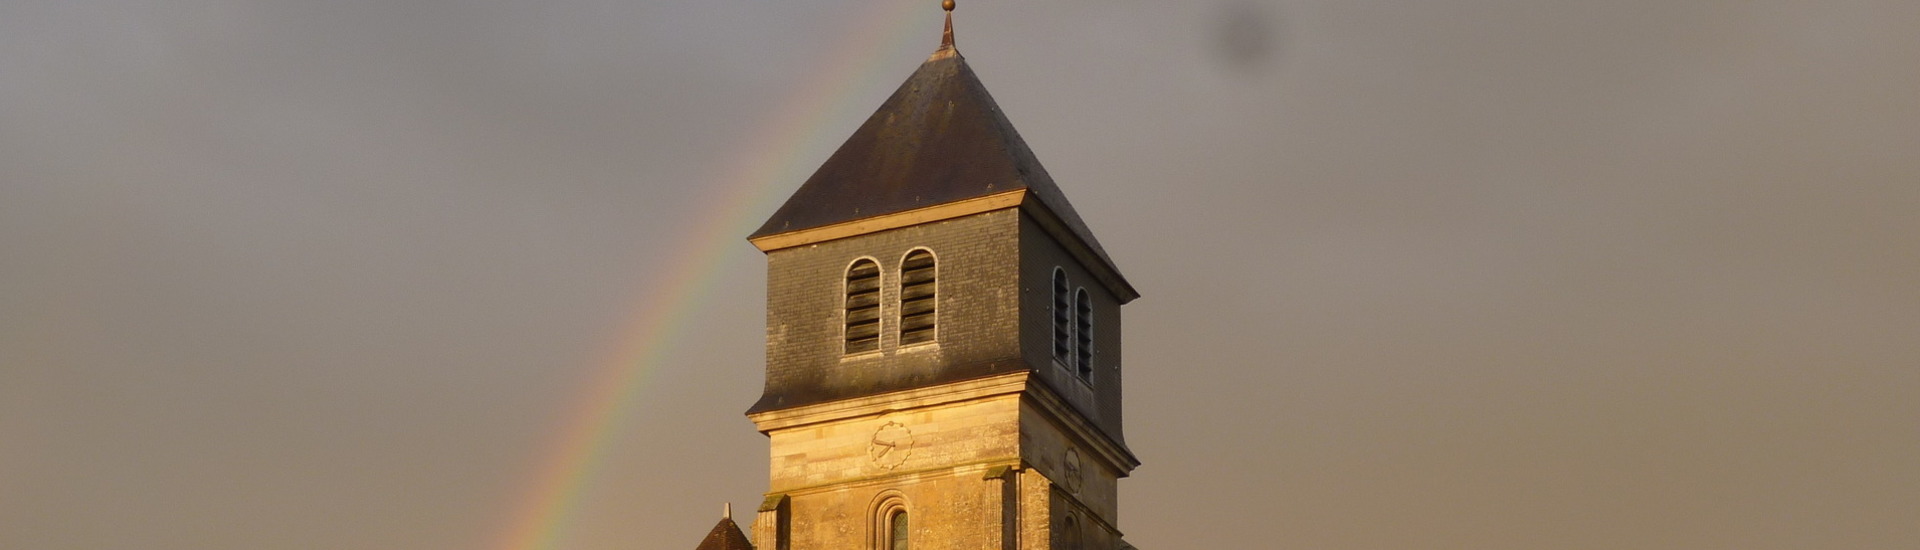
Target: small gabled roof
725 536
939 139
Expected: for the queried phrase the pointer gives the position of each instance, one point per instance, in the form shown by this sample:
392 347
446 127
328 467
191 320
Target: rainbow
748 189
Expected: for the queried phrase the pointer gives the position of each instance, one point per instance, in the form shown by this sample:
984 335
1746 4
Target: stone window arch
899 531
919 292
1070 534
860 307
1062 319
892 524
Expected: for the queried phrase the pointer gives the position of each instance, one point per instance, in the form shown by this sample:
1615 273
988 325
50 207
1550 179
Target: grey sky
1464 274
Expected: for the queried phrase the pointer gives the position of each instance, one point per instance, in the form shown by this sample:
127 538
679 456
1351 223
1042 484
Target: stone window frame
1072 536
880 317
900 309
888 505
1061 319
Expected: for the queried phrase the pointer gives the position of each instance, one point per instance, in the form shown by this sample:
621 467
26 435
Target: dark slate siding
995 301
1099 401
978 297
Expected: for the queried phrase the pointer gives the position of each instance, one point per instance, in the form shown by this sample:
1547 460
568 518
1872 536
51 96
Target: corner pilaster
1036 510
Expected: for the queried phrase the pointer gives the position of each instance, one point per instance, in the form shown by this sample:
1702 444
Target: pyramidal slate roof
725 536
939 139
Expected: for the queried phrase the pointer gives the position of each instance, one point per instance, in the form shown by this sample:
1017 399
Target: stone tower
943 341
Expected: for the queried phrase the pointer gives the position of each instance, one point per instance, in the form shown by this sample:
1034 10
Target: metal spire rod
946 39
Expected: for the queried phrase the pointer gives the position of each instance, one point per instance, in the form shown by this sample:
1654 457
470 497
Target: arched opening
898 531
1070 533
862 307
918 309
888 524
1083 335
1062 319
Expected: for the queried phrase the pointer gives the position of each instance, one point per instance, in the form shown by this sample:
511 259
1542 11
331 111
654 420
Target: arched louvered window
1083 335
897 529
1062 319
1070 533
918 310
863 307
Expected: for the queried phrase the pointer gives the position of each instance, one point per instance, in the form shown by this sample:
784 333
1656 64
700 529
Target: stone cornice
966 390
917 216
1076 424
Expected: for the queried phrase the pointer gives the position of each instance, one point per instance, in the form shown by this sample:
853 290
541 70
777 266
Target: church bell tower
943 341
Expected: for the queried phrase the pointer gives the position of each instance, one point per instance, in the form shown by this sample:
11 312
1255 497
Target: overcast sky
1467 274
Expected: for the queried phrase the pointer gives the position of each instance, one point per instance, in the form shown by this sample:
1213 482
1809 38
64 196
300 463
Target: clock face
890 445
1072 471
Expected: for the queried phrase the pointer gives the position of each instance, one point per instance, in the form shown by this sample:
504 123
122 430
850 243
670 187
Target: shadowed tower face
943 341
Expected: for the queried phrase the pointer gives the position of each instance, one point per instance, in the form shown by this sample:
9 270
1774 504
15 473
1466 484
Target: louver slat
868 284
916 307
863 315
916 292
917 336
863 300
863 331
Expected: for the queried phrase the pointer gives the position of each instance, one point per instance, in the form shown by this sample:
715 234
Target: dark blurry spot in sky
1244 35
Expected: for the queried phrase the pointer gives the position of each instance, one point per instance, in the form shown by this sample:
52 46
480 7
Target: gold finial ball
946 5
